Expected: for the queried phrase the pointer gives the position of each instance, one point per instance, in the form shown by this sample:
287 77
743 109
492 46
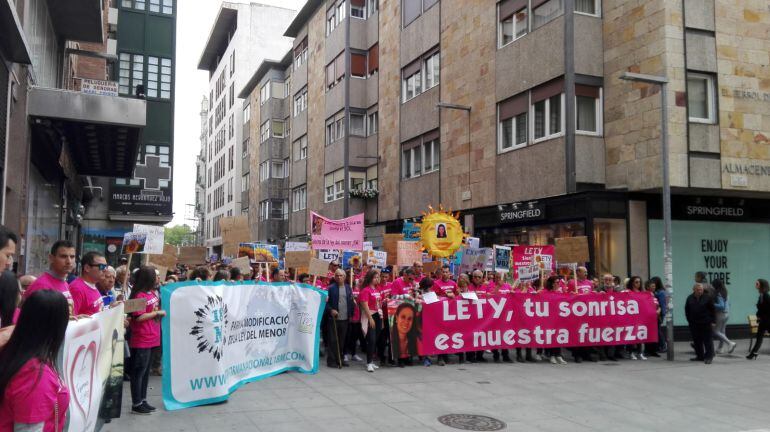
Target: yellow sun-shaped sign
440 232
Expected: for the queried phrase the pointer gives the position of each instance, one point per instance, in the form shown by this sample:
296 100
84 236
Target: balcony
77 20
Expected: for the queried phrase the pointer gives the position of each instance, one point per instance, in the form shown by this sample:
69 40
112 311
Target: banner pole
128 272
315 279
267 271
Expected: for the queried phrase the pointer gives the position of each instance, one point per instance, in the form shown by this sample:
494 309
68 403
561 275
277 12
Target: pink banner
524 256
342 234
545 320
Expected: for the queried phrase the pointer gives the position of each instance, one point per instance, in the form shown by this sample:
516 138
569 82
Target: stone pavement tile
230 421
555 425
323 414
274 416
161 420
310 401
294 426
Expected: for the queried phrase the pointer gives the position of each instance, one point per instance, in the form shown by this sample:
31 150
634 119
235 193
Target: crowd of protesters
35 312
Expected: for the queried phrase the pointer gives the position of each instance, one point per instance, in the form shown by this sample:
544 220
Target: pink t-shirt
31 397
385 289
583 287
477 288
356 311
443 288
372 297
400 287
87 300
146 334
505 288
49 281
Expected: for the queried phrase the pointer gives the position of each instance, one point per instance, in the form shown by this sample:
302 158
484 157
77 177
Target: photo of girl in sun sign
441 231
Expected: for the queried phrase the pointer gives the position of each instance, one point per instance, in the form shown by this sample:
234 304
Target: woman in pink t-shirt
32 394
145 335
369 301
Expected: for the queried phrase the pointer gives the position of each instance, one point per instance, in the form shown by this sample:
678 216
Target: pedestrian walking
763 316
340 309
722 307
701 316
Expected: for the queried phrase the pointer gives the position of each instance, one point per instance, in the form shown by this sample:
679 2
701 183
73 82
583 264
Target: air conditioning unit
112 19
112 47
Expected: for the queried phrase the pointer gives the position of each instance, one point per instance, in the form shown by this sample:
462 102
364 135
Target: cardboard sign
408 253
167 259
431 266
134 305
296 246
235 230
329 255
155 237
259 252
572 250
243 264
473 242
298 259
368 246
133 243
192 255
390 245
502 259
318 267
377 259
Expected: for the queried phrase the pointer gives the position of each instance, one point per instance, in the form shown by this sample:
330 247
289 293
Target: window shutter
412 68
359 3
358 64
509 7
588 91
339 65
374 58
513 106
330 74
551 88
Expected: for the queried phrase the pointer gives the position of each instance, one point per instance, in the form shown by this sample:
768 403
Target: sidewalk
729 395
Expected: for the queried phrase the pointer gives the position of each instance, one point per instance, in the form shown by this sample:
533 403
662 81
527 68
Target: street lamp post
667 260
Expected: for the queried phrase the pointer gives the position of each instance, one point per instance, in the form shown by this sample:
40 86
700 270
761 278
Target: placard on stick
298 259
134 305
243 264
408 253
318 267
235 230
572 250
390 245
192 255
431 266
167 259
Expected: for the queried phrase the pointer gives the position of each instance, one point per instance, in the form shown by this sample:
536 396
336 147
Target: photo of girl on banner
405 329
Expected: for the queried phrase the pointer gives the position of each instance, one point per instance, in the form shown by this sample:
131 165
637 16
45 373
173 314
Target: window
421 156
547 116
279 209
371 177
374 59
264 132
264 171
512 21
264 210
588 7
232 63
357 180
231 127
358 65
299 198
158 6
131 72
246 113
335 128
334 186
245 147
431 69
229 190
287 87
335 71
412 9
358 9
372 123
279 169
300 101
700 98
264 93
588 109
512 123
546 12
357 124
411 86
278 128
300 147
300 55
335 15
133 4
371 7
232 95
245 183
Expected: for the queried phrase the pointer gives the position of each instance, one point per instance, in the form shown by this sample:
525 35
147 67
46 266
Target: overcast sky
194 21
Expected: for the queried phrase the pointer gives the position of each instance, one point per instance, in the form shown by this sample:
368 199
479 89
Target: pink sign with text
347 234
524 256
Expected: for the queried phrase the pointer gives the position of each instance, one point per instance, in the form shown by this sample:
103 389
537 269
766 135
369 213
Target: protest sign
473 259
259 252
216 338
345 233
408 253
298 259
296 246
502 259
134 305
167 259
390 245
441 233
351 259
192 255
377 259
368 246
133 243
243 264
431 266
473 242
572 250
92 368
529 273
410 231
524 256
155 237
537 320
404 338
489 263
235 230
329 255
318 267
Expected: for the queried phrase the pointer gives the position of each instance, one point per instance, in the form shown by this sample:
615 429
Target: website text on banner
538 320
218 336
342 234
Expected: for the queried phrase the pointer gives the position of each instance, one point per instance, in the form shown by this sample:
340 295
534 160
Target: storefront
727 238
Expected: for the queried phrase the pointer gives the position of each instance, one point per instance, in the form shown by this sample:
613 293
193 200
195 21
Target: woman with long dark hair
145 335
763 315
10 296
32 394
369 300
660 294
722 306
404 333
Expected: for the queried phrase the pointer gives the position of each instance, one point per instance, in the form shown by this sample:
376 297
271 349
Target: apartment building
515 114
64 125
200 173
243 36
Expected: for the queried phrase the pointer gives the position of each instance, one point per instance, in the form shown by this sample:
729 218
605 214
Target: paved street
730 395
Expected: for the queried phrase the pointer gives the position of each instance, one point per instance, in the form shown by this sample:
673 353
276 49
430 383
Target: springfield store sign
537 212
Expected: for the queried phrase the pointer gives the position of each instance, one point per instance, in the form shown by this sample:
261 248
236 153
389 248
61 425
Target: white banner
218 336
296 246
92 362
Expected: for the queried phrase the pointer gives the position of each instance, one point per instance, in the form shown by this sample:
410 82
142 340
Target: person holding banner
498 286
369 301
33 396
445 286
403 286
477 285
404 334
62 262
339 308
418 274
553 354
86 298
145 335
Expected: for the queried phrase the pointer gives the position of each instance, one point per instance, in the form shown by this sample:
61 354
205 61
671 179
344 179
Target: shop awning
102 133
13 45
77 20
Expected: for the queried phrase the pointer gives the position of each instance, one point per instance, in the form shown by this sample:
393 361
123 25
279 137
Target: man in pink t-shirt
445 286
86 298
403 285
583 285
418 274
62 262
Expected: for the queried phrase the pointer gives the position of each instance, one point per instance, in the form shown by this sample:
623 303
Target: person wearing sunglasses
86 298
